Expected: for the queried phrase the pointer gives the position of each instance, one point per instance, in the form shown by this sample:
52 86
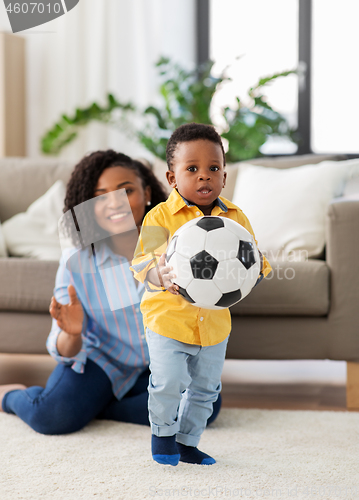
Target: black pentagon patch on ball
203 265
171 248
209 223
185 295
230 298
246 254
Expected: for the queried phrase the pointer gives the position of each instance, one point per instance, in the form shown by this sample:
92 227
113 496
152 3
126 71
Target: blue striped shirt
112 334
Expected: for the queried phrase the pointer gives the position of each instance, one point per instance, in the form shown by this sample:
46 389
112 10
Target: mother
97 333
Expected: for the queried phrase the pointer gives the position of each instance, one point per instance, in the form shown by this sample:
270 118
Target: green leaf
184 95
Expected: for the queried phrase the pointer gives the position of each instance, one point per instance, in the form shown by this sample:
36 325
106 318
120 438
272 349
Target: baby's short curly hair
191 132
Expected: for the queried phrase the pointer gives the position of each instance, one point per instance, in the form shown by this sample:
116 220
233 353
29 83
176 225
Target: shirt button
142 336
198 213
137 309
201 318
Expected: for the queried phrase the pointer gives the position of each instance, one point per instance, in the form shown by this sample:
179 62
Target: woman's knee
58 419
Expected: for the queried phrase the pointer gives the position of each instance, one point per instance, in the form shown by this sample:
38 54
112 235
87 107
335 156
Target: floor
288 385
292 385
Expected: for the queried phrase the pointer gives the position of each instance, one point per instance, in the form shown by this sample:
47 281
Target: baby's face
198 172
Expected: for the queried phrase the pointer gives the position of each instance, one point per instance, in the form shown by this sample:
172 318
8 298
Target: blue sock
192 455
164 450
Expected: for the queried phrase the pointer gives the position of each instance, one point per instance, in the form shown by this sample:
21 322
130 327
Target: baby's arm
148 265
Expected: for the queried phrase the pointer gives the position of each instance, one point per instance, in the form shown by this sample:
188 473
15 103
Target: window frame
304 58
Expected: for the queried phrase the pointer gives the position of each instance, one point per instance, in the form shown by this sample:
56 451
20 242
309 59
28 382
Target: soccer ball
215 260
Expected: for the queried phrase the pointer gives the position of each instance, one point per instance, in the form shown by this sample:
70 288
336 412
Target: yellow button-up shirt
163 312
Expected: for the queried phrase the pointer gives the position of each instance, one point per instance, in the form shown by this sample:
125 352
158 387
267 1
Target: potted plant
186 97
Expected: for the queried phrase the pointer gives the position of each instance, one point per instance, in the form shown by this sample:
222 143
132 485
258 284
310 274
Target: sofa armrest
342 258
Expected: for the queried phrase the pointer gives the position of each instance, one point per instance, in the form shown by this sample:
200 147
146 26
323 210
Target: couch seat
26 284
298 288
291 289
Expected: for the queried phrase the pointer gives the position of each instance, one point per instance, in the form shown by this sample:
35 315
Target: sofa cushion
291 289
24 332
26 284
293 161
352 188
24 180
287 207
275 162
34 233
3 249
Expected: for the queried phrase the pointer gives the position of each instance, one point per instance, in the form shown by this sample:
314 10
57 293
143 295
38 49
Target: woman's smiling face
121 200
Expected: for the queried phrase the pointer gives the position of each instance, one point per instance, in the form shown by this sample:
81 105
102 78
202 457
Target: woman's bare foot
4 389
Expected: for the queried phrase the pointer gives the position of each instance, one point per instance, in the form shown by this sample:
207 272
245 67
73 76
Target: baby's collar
218 202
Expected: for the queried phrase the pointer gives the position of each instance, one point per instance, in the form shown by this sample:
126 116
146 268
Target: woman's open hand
69 316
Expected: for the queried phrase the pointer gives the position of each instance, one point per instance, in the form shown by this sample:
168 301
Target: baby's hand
165 275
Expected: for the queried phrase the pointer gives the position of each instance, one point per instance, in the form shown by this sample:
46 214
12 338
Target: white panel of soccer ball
215 260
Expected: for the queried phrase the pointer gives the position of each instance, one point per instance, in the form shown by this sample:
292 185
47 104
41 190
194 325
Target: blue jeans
71 400
184 385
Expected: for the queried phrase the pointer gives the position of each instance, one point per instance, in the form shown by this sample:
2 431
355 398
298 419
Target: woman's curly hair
83 181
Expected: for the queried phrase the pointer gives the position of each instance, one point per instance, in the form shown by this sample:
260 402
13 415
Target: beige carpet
260 454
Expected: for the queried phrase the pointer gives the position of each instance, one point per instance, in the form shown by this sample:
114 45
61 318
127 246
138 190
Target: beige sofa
313 316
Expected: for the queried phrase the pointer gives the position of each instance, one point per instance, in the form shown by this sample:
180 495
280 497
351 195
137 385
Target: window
335 76
265 36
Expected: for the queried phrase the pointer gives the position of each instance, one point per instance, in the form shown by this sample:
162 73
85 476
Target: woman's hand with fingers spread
69 316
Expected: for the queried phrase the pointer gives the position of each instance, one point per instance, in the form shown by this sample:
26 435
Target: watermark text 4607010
26 14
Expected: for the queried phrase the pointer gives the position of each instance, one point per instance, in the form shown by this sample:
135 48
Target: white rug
259 453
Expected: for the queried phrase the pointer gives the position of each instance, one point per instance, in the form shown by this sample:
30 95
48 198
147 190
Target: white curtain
98 47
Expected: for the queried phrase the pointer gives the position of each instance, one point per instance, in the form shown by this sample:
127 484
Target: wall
101 46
